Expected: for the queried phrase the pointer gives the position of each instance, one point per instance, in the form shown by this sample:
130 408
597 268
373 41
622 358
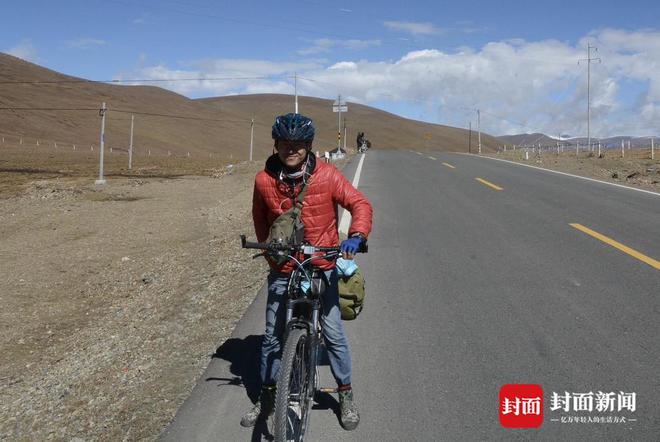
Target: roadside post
344 134
470 137
252 130
130 147
102 113
479 128
652 150
339 106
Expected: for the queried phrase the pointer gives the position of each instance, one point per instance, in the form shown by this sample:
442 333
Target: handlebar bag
288 227
351 295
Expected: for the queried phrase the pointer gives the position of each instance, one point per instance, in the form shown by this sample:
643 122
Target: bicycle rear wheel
294 387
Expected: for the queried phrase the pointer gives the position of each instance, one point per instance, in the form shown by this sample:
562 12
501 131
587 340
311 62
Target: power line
183 117
239 21
153 114
49 109
132 80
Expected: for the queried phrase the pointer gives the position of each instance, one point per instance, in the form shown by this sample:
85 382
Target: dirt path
114 298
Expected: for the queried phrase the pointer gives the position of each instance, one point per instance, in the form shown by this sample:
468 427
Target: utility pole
130 146
344 134
479 128
589 59
252 133
652 150
339 124
470 138
295 89
102 113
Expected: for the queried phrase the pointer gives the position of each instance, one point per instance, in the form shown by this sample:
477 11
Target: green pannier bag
351 295
288 227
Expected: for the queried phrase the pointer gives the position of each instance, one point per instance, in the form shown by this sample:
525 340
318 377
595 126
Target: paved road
471 288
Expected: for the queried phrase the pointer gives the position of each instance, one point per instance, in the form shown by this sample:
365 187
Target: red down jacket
326 189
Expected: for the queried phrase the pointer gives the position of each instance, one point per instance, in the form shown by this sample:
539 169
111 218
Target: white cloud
520 86
413 27
223 76
321 45
325 45
344 65
25 50
86 43
248 67
360 44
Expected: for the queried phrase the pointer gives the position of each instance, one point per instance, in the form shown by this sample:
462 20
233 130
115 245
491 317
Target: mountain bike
298 377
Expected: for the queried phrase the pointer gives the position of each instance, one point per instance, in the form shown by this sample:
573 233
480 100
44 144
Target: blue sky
430 60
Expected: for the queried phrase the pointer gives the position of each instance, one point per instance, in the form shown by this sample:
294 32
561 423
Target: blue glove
351 245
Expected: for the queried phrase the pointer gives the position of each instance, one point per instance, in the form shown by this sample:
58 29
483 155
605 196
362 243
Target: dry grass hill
206 132
383 129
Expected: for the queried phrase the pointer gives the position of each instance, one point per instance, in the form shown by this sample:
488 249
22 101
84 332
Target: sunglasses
292 145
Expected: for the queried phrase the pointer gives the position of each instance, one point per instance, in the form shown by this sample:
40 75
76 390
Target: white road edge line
562 173
345 222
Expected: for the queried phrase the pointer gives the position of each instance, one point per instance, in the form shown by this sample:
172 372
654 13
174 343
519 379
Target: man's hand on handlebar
350 246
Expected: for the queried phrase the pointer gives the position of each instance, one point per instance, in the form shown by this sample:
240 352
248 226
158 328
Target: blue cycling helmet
293 127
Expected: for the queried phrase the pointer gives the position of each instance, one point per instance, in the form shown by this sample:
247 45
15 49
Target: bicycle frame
302 330
311 297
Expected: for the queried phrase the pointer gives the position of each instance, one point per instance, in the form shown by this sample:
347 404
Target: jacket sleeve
259 214
355 202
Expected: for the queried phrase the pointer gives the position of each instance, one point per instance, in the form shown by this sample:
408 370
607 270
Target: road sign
342 108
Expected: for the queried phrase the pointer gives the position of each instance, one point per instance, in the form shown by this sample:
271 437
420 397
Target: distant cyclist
360 139
275 190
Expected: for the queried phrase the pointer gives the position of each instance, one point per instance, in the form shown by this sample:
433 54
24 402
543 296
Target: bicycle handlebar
281 247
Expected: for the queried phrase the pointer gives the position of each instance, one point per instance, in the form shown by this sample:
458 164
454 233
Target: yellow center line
448 165
433 158
617 245
481 180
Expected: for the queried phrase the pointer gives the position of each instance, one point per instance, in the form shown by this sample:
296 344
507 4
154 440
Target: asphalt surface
470 288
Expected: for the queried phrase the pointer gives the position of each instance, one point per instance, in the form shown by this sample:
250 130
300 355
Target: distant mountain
527 139
535 139
166 121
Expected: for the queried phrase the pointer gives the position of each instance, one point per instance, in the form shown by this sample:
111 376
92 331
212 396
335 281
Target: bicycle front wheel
294 387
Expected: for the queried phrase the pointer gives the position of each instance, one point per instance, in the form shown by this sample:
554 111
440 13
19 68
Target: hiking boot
350 418
265 406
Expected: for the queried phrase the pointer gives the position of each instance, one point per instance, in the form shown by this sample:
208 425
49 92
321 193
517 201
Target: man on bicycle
360 139
275 191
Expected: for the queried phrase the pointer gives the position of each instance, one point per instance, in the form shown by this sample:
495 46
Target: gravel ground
114 299
636 169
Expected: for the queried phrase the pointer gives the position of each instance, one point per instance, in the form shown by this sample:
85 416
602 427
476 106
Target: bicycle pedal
328 390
